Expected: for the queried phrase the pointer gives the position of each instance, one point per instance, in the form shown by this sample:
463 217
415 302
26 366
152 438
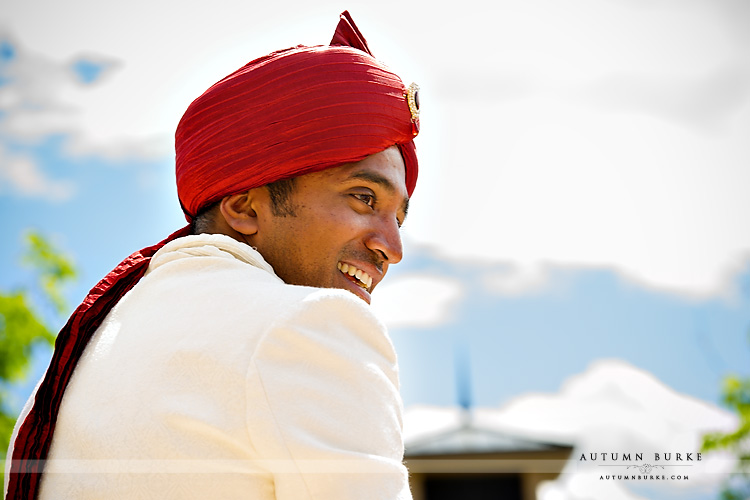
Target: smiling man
338 228
239 357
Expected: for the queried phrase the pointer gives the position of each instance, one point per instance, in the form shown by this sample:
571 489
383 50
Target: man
243 361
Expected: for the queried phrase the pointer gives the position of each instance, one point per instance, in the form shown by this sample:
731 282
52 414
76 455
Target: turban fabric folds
292 112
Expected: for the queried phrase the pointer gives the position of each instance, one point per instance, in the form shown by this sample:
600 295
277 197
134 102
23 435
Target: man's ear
239 213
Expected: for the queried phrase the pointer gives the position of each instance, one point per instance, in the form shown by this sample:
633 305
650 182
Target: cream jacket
212 378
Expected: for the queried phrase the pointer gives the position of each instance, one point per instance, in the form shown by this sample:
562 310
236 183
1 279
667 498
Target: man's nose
385 240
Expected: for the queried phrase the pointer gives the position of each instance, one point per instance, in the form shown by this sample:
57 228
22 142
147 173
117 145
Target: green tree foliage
736 396
22 326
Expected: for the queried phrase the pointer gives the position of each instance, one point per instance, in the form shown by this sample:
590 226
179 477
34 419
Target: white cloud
613 407
573 185
514 280
21 175
590 133
625 406
29 95
430 300
42 95
612 404
603 150
37 93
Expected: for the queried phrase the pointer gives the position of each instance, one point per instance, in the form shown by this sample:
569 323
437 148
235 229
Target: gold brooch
412 98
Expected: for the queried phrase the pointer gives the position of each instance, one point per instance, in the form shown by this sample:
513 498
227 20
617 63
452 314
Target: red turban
292 112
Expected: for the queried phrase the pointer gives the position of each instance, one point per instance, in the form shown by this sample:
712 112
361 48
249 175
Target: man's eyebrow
383 182
375 179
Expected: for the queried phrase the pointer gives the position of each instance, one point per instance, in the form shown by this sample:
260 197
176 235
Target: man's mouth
357 276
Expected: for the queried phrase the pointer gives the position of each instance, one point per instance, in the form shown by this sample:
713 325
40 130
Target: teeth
364 279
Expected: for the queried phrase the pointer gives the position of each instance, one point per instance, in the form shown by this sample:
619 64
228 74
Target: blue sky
531 343
582 192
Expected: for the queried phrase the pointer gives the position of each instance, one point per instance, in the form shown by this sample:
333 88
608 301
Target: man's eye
367 199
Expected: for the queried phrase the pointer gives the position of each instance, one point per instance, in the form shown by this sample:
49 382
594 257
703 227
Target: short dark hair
203 220
279 191
281 197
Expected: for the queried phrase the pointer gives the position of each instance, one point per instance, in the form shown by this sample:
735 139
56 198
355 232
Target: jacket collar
215 245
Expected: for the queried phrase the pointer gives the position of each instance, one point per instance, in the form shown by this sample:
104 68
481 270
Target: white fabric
212 378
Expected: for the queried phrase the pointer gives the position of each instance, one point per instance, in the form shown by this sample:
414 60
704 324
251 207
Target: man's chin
341 283
356 289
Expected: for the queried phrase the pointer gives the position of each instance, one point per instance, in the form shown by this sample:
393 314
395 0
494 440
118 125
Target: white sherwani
212 378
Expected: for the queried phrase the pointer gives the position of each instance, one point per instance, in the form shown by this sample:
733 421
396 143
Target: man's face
345 229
